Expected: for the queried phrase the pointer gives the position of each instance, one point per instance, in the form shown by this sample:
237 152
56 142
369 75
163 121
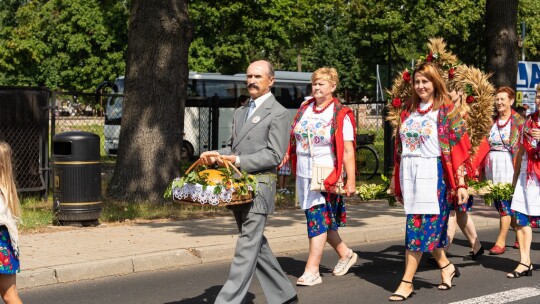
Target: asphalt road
373 279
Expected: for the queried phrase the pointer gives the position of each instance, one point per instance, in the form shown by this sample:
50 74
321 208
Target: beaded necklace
504 124
422 112
315 111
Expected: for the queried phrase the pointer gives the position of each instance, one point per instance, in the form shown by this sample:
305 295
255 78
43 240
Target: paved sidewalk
88 253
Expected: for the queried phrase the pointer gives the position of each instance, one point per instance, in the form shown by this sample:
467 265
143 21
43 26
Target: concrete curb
194 256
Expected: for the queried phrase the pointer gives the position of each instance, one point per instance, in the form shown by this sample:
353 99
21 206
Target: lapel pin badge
255 119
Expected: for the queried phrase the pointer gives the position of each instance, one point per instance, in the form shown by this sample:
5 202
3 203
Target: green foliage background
76 44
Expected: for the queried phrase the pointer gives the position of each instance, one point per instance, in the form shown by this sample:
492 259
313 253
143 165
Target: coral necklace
504 124
323 109
422 112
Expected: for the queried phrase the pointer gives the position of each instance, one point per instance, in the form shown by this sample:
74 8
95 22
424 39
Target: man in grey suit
259 141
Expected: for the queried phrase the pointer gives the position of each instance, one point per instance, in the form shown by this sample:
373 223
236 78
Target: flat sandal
309 279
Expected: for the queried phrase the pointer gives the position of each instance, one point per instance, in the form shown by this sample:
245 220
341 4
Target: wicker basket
227 198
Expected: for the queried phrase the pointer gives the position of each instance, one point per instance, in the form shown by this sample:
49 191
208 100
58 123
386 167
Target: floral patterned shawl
454 142
516 127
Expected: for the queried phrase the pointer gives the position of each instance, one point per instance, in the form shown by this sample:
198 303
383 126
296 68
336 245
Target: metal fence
78 111
24 125
370 124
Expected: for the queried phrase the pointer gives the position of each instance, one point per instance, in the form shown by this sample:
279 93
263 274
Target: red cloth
478 160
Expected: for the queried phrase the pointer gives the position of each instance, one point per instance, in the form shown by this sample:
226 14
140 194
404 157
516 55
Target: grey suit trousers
253 255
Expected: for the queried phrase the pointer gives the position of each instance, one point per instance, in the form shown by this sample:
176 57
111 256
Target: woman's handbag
320 172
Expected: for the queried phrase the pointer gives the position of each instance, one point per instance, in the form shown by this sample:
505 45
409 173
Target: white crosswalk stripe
504 297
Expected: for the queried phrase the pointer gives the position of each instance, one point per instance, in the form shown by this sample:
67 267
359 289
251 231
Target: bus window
195 88
225 91
284 93
242 88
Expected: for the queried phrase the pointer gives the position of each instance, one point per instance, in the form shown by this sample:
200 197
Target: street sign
527 79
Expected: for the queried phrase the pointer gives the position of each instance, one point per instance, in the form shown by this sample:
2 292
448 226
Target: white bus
211 101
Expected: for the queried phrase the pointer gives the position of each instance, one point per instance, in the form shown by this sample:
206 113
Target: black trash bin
76 178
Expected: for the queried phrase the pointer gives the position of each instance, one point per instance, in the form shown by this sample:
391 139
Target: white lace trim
196 193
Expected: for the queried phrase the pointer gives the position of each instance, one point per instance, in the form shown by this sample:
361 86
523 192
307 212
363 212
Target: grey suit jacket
260 143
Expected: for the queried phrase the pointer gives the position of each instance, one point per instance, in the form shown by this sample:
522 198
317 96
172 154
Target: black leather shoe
473 256
293 300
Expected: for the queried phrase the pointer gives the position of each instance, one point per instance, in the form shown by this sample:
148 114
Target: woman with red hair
503 142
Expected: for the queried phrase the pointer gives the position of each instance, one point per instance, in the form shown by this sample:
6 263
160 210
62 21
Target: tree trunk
501 41
149 153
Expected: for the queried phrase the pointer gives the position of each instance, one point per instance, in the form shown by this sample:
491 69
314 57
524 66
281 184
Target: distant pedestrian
10 213
283 172
503 140
242 101
521 110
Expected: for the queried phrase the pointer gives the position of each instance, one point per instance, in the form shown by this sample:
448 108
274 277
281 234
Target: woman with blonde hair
432 147
10 213
323 133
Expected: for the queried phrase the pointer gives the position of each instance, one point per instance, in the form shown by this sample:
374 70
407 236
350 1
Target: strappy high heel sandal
516 274
401 297
454 274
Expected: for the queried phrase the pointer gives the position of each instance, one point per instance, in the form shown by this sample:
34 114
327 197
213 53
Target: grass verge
38 213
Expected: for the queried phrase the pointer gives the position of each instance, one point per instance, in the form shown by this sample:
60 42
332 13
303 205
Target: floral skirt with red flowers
503 207
532 221
9 263
328 216
426 232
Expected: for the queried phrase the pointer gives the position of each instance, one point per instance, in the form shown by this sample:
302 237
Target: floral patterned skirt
426 232
328 216
532 221
504 207
9 263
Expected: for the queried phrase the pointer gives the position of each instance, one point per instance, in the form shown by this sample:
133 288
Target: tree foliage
76 44
62 43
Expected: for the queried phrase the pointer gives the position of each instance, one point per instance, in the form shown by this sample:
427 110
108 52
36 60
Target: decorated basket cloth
224 187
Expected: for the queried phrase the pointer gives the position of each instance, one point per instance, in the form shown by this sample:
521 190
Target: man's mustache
252 85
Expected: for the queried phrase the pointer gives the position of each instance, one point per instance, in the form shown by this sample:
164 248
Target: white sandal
309 279
343 266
